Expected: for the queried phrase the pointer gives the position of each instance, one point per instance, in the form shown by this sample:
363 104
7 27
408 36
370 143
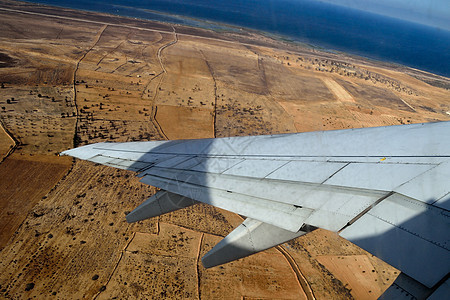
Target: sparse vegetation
29 286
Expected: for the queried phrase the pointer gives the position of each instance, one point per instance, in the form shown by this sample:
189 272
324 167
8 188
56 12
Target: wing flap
327 207
430 186
400 225
376 176
406 288
278 214
442 291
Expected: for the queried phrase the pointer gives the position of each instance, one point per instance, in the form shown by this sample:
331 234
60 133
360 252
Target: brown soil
83 78
25 180
356 273
185 122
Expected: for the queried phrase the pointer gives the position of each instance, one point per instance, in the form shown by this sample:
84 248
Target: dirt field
25 180
363 278
81 78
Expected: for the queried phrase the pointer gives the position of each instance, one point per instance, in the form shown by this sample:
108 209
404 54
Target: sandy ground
83 78
40 175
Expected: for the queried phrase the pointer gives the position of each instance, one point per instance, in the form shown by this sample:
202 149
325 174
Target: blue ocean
313 22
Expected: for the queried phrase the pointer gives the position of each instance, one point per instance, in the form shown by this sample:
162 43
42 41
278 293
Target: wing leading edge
386 189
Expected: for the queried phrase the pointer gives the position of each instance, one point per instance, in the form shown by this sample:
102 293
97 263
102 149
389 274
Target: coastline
245 36
193 23
397 42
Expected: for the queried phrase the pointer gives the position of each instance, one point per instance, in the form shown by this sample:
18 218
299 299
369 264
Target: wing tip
83 152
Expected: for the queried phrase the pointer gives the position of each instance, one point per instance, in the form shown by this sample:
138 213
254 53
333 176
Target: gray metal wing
386 189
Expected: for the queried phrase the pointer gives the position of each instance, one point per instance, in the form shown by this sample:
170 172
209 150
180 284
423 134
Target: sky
435 13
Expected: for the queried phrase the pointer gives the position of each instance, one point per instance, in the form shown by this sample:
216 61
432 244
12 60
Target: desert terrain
70 78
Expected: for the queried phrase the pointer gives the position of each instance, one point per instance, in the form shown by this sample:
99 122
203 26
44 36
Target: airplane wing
386 189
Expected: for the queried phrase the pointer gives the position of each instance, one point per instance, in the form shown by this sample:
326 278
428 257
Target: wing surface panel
414 237
255 168
431 140
217 165
417 140
442 291
406 288
415 217
306 171
443 202
173 161
118 163
379 176
430 186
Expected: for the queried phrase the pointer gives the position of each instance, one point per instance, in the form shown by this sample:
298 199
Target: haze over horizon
434 13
